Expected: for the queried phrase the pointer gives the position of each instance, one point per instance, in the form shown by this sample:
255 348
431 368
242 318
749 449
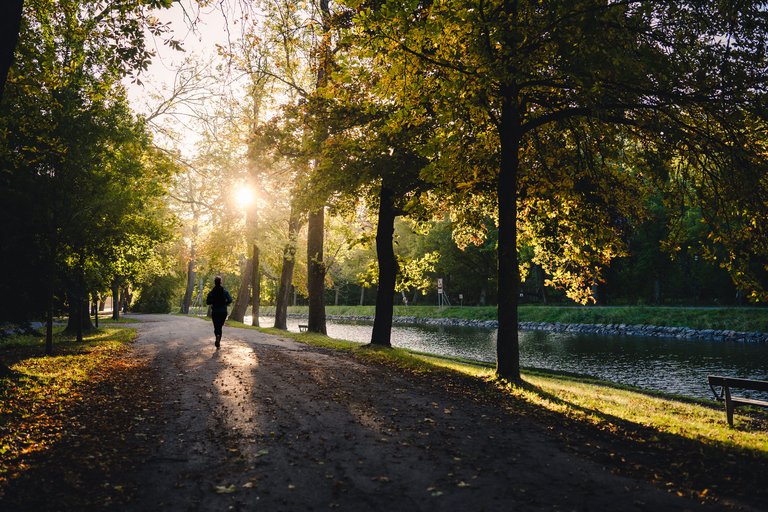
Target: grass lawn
750 319
36 403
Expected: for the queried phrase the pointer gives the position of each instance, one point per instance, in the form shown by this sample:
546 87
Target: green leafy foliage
83 181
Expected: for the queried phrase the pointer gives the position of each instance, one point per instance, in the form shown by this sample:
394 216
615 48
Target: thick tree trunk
385 254
540 278
115 299
95 309
79 320
10 22
49 321
191 282
286 275
243 295
126 298
507 342
255 286
316 271
191 273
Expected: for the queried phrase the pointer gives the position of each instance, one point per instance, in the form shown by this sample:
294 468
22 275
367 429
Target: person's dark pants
218 322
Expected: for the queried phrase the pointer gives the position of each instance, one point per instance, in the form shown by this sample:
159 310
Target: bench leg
729 407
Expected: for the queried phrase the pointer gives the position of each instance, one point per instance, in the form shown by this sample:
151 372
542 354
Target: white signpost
442 297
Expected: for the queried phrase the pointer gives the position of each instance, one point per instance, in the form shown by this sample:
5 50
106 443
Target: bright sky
199 30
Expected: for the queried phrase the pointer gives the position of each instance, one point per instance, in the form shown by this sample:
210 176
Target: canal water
672 365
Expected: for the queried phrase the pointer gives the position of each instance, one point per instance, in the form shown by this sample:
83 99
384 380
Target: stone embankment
601 329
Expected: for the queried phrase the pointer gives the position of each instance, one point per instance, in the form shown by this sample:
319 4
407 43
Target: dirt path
267 423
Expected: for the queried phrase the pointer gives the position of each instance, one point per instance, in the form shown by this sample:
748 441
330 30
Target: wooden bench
302 328
731 402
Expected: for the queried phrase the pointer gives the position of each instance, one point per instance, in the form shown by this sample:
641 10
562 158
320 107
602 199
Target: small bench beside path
731 402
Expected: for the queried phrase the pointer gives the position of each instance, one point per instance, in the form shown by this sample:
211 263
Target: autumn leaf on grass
224 489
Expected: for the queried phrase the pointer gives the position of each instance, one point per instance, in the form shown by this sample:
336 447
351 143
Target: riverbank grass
745 319
642 415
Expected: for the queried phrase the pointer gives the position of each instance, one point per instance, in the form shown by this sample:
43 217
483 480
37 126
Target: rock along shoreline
600 329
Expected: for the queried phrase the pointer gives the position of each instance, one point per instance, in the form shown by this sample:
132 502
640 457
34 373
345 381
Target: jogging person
218 298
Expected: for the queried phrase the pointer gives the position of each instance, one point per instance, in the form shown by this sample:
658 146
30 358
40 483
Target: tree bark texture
191 274
115 299
191 279
507 341
385 254
49 321
255 285
95 308
316 271
243 296
79 319
286 274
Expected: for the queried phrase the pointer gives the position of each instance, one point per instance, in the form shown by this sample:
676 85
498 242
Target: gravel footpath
266 423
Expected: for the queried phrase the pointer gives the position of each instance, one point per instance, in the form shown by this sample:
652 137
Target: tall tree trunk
127 297
286 274
385 254
115 299
51 292
255 286
336 295
507 341
540 278
10 22
49 320
191 281
95 308
316 271
79 320
79 313
191 273
316 218
362 295
243 295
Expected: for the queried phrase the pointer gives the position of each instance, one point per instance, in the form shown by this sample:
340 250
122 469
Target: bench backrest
734 382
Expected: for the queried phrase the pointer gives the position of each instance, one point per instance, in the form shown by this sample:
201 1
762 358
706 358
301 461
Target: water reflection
663 364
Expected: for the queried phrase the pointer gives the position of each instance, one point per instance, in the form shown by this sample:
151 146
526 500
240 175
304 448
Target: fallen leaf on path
224 489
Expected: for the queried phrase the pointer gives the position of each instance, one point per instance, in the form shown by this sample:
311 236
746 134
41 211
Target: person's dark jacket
218 299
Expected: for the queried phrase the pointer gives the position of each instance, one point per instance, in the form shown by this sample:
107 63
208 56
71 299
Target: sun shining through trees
244 195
